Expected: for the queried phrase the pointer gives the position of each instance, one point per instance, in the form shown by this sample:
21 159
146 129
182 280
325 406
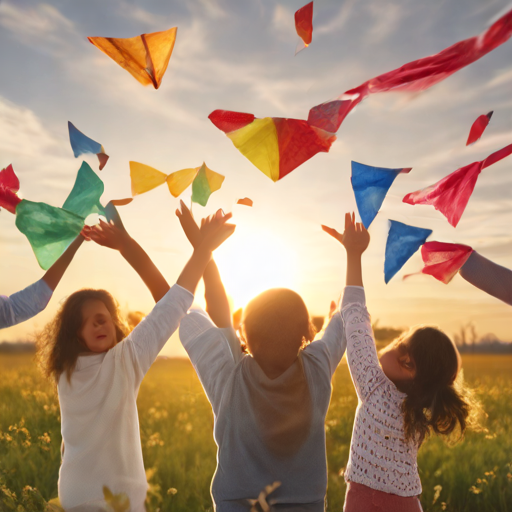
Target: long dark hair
437 399
59 344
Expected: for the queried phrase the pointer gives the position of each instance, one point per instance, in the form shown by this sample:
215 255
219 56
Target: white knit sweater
100 424
380 457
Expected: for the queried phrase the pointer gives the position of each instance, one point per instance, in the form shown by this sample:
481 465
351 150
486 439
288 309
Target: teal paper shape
50 230
84 197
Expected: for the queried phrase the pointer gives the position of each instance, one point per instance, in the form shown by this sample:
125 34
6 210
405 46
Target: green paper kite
205 183
50 230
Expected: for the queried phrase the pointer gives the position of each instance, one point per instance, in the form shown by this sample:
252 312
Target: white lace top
380 457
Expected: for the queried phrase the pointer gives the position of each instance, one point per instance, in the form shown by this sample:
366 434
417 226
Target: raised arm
217 304
214 231
488 276
56 271
116 237
149 337
362 355
355 239
27 303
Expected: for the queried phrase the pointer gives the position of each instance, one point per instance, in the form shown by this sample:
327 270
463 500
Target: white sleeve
21 306
149 337
363 361
213 352
329 349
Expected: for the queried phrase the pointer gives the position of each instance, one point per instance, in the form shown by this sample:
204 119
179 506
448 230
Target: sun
253 261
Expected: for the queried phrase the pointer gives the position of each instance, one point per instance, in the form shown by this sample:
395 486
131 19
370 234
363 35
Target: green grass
179 452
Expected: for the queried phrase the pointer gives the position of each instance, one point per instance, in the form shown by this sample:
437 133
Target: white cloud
502 77
43 24
386 17
22 133
336 23
283 23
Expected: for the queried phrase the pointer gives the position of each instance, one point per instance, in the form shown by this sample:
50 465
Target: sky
239 55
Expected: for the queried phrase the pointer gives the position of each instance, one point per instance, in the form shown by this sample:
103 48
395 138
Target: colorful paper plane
451 194
443 260
145 57
204 181
81 145
9 185
478 127
245 201
403 241
276 146
415 76
50 230
304 25
370 185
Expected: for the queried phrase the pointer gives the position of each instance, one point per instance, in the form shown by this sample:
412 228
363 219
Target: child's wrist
354 253
127 243
203 252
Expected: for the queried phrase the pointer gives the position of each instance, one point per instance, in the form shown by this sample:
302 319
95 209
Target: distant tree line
466 338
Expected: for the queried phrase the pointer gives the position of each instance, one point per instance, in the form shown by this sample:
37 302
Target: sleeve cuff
353 294
178 296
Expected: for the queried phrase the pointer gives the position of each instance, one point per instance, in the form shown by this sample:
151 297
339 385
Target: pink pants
360 498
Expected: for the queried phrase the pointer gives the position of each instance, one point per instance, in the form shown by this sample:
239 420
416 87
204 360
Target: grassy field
176 427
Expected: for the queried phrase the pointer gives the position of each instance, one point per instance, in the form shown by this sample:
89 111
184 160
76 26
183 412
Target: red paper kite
276 146
9 185
442 260
414 76
478 128
451 194
304 24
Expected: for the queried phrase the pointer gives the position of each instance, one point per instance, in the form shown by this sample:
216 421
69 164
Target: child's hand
189 225
215 230
108 235
355 238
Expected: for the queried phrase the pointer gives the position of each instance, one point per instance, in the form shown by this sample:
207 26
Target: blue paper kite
403 241
81 145
370 185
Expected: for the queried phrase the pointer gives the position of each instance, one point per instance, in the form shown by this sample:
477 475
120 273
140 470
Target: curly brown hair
59 343
437 398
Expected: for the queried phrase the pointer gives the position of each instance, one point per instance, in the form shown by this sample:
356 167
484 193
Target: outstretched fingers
332 232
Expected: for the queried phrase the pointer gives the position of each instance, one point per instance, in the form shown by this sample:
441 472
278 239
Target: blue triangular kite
370 185
81 145
403 241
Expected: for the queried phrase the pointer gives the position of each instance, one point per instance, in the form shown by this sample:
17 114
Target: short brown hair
59 344
277 318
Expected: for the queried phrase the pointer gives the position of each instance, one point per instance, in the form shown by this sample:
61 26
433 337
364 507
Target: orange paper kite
146 56
245 201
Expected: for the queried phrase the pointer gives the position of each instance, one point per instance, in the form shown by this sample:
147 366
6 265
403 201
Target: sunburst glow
257 260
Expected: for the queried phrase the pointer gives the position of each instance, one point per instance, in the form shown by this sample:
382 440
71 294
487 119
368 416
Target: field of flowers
179 452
